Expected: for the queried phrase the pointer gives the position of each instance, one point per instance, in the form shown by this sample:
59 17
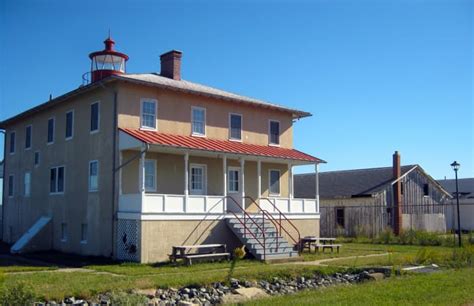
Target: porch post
141 177
290 181
186 178
120 173
316 181
224 170
259 175
242 179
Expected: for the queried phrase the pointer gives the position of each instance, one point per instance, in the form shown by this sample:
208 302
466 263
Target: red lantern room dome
107 62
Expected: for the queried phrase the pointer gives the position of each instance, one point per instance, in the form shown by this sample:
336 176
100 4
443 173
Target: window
233 178
93 175
150 175
11 186
198 179
274 132
12 142
63 232
274 181
69 124
95 117
56 180
50 130
83 233
340 217
148 114
426 190
27 183
37 158
235 127
198 121
28 137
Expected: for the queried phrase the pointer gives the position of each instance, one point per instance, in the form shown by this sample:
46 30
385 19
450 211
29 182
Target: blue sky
378 76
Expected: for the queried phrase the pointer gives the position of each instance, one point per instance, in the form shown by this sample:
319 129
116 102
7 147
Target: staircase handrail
297 242
245 225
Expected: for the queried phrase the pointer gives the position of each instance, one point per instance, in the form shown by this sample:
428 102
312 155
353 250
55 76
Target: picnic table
201 252
319 242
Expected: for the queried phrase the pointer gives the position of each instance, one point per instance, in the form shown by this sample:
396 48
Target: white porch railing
196 204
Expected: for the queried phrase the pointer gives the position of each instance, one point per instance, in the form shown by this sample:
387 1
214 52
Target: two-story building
129 165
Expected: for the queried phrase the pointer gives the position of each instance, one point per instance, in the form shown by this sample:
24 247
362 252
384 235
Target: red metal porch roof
213 145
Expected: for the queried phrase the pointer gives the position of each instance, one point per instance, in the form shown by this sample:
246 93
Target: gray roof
155 79
346 183
465 186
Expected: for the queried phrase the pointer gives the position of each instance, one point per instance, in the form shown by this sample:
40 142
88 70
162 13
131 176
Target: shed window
274 132
235 122
50 130
199 121
28 137
95 117
340 217
426 190
69 124
274 182
12 142
148 114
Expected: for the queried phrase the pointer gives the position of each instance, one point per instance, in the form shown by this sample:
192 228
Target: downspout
114 157
3 182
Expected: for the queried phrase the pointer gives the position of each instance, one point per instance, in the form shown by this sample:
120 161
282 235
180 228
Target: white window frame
238 179
202 191
84 241
64 232
12 152
192 121
57 180
31 136
27 184
12 184
241 127
72 127
149 128
270 182
154 187
270 135
89 176
39 159
47 130
98 117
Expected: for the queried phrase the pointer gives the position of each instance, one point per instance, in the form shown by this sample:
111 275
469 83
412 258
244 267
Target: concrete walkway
320 262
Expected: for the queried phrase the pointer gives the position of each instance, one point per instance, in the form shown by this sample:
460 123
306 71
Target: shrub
124 298
470 238
463 257
428 238
239 253
17 294
408 237
386 236
425 256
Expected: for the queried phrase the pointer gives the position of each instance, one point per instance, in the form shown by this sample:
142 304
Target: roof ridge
353 170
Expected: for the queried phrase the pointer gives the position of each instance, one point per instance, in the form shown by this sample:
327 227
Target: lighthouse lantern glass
108 62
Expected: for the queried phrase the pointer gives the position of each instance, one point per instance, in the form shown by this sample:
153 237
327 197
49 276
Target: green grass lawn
106 277
449 287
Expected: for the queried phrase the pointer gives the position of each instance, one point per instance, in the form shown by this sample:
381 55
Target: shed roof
465 186
346 183
214 145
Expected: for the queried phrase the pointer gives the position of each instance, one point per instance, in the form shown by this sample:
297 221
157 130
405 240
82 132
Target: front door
234 189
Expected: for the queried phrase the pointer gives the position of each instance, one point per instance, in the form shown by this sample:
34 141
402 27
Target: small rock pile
217 292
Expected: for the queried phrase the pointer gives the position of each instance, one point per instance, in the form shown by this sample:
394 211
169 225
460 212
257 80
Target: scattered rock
376 276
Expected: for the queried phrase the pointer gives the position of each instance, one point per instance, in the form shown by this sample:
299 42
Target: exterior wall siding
174 115
76 205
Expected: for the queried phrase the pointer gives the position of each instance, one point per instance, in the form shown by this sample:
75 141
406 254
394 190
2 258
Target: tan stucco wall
158 237
76 205
174 115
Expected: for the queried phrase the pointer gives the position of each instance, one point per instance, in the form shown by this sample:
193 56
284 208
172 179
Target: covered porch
159 179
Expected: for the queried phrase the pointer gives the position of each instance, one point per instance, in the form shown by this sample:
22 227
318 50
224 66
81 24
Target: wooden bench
328 246
318 242
203 252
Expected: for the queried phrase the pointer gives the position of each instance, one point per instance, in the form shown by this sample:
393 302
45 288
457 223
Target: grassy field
450 287
105 277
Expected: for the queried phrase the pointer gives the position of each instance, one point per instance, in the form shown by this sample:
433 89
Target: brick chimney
171 64
397 194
